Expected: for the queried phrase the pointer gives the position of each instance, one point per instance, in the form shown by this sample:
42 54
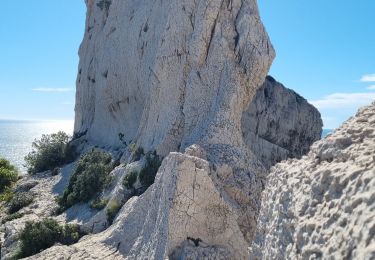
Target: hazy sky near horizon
325 52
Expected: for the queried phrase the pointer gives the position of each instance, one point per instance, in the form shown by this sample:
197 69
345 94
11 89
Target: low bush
7 195
8 175
38 236
90 177
49 152
99 204
12 217
19 201
130 179
112 210
148 173
26 186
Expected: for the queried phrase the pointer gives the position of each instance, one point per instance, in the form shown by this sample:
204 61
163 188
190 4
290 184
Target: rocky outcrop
182 214
44 188
280 124
169 74
323 206
176 77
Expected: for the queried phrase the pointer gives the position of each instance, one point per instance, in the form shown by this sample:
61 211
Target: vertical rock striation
174 76
168 74
178 77
280 124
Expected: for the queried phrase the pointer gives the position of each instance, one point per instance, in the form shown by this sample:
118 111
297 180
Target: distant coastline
16 136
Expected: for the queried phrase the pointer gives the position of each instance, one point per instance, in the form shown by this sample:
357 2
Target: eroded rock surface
323 206
44 188
280 124
182 214
176 76
168 74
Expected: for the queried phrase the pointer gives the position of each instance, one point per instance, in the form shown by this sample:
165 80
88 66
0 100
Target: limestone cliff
178 78
323 205
279 123
168 74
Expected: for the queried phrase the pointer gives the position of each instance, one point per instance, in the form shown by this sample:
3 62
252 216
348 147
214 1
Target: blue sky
325 52
39 57
325 49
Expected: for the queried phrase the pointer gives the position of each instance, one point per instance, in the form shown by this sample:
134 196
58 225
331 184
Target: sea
16 137
326 132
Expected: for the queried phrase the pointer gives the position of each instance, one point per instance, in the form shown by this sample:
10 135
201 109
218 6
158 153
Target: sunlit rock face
323 206
181 215
184 79
167 74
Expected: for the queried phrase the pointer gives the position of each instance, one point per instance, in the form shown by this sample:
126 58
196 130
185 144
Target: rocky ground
184 79
45 187
323 206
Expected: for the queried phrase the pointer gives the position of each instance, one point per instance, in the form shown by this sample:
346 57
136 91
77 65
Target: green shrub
49 152
99 204
38 236
90 177
26 186
7 195
19 201
112 210
148 173
8 175
71 233
12 217
130 179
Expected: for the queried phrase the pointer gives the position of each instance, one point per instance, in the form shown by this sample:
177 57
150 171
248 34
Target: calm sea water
326 132
16 137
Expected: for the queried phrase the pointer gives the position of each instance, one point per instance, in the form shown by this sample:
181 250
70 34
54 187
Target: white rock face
183 214
168 74
323 206
280 124
173 76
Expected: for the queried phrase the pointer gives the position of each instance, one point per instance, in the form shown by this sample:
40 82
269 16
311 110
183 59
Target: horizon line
33 119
